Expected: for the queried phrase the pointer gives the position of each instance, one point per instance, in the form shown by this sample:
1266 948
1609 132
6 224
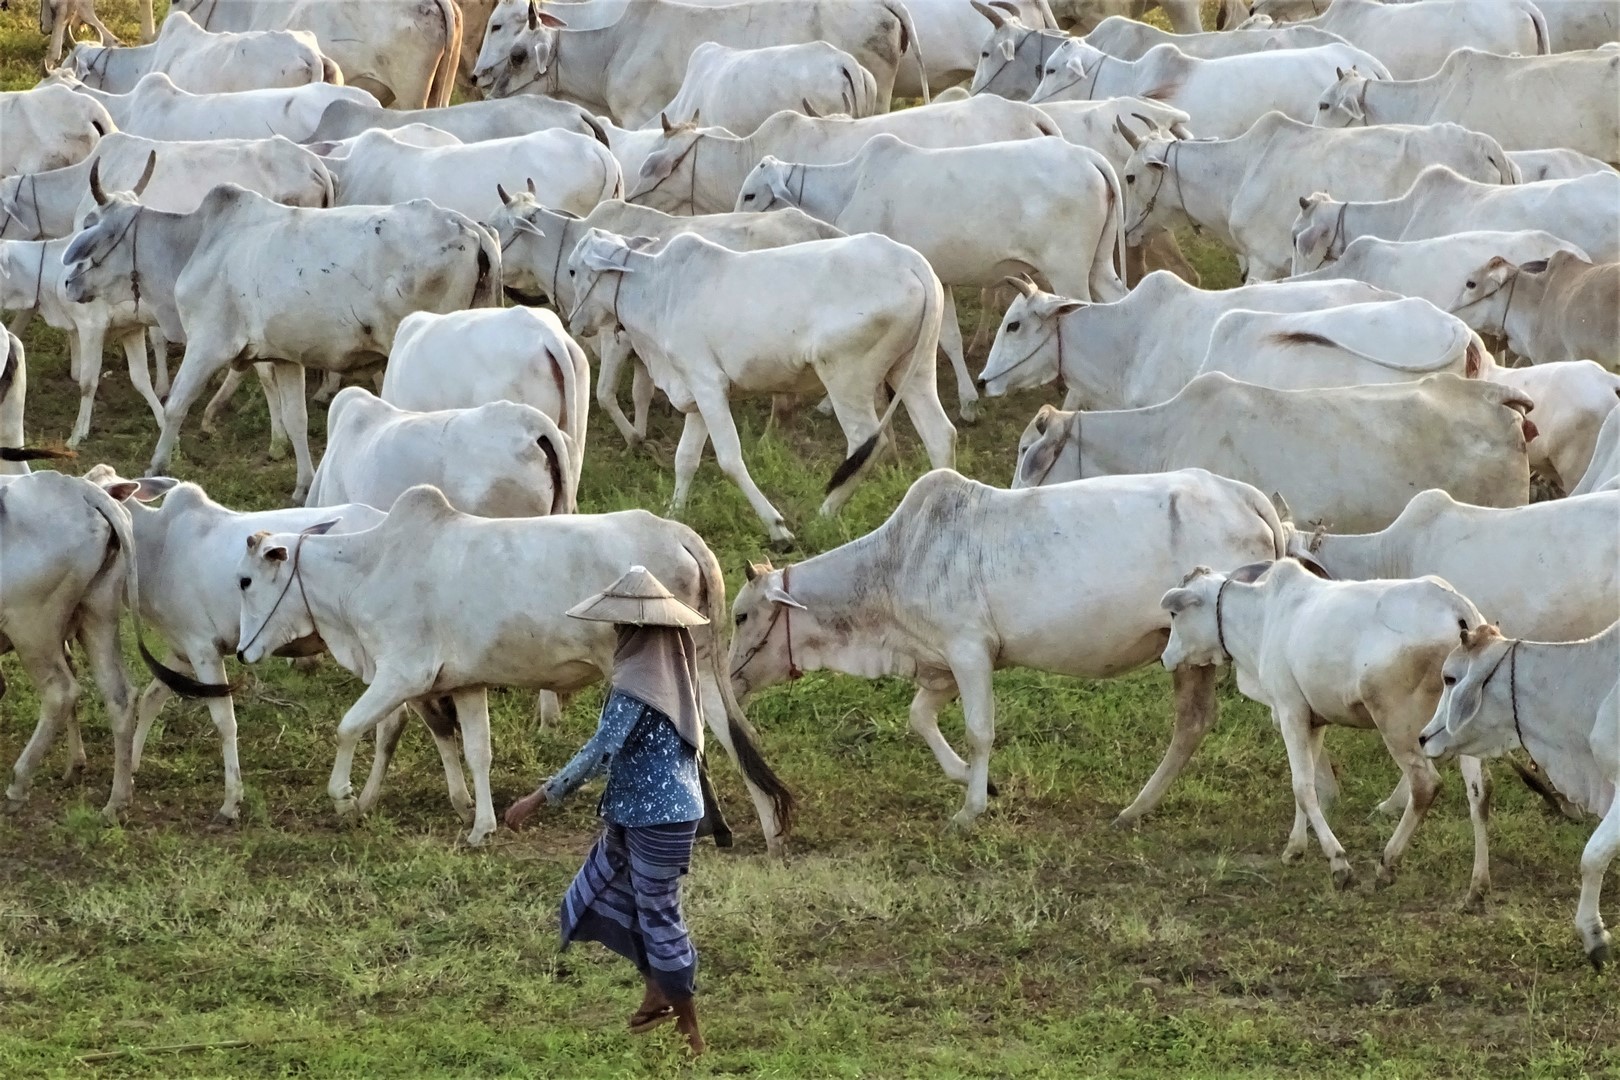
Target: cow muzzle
77 289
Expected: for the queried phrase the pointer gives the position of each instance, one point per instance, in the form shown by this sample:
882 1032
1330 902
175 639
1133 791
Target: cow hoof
225 820
278 452
14 806
345 808
1474 902
1599 953
1343 878
74 772
467 814
1293 854
990 789
1125 823
114 815
476 838
968 413
961 822
1384 879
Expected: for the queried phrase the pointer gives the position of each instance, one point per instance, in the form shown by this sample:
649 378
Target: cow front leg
388 691
210 668
716 412
331 383
612 349
1299 835
925 708
1477 782
289 383
641 394
1196 711
387 742
472 711
85 345
1295 722
972 673
950 343
202 360
134 345
688 455
1600 851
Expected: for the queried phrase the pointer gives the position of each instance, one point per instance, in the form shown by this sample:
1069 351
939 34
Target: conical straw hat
637 599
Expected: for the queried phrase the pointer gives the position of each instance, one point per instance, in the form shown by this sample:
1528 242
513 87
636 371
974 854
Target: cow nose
1423 740
242 656
980 384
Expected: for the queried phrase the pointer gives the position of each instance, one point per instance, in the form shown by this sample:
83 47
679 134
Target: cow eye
1450 680
1012 327
245 582
1322 107
748 197
1468 284
1051 71
1130 178
742 618
570 273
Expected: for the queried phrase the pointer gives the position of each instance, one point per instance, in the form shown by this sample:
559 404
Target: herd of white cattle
1423 199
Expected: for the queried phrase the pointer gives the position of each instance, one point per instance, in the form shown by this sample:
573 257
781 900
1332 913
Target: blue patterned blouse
652 771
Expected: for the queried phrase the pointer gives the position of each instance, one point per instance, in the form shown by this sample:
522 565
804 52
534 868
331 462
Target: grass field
1043 944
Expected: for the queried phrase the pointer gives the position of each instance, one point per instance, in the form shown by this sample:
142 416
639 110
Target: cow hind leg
1195 715
100 639
58 696
950 343
920 398
221 401
1423 781
389 690
147 709
973 679
641 396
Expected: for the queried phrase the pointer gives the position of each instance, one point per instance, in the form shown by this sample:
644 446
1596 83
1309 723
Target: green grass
1043 944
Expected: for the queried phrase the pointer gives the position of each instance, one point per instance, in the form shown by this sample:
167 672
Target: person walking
648 740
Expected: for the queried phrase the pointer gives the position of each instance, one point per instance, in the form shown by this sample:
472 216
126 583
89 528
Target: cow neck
1044 45
1070 430
33 199
556 263
98 66
1336 240
298 577
1558 740
1220 628
590 64
1361 101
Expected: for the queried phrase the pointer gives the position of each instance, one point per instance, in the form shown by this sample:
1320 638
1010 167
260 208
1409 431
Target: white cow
536 241
964 579
1101 354
202 62
1563 101
470 358
1550 570
1130 39
402 51
471 121
574 172
1223 96
1434 269
512 631
630 67
49 127
1440 202
701 170
1573 399
1353 653
949 204
951 34
1413 40
496 460
254 280
52 204
13 396
1246 191
1347 456
738 89
65 570
1604 472
874 322
158 109
1536 165
1560 704
1560 308
58 19
187 550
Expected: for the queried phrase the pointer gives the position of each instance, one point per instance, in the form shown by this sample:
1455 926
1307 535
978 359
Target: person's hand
524 808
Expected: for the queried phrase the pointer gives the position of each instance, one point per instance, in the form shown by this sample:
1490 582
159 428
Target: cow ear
275 553
1467 695
1338 73
1043 417
1178 600
1280 504
148 488
1008 49
1304 202
641 243
320 528
547 19
658 166
778 179
778 595
1064 306
122 489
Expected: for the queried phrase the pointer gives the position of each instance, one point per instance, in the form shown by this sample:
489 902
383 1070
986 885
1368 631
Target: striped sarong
628 897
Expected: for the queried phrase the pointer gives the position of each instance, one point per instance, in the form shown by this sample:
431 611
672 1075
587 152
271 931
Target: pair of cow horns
100 195
1135 140
1022 283
506 200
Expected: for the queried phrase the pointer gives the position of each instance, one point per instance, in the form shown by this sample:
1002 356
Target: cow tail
554 445
1273 523
444 72
487 290
597 130
99 129
328 187
922 360
573 390
1505 168
910 40
123 543
1115 223
745 748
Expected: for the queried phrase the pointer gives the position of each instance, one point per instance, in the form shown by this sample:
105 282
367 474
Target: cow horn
532 189
809 109
1149 122
534 15
95 183
997 19
1180 131
1022 284
146 174
663 118
506 200
1126 133
1304 202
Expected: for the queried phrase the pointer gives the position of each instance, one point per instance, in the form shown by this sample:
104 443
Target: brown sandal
644 1020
